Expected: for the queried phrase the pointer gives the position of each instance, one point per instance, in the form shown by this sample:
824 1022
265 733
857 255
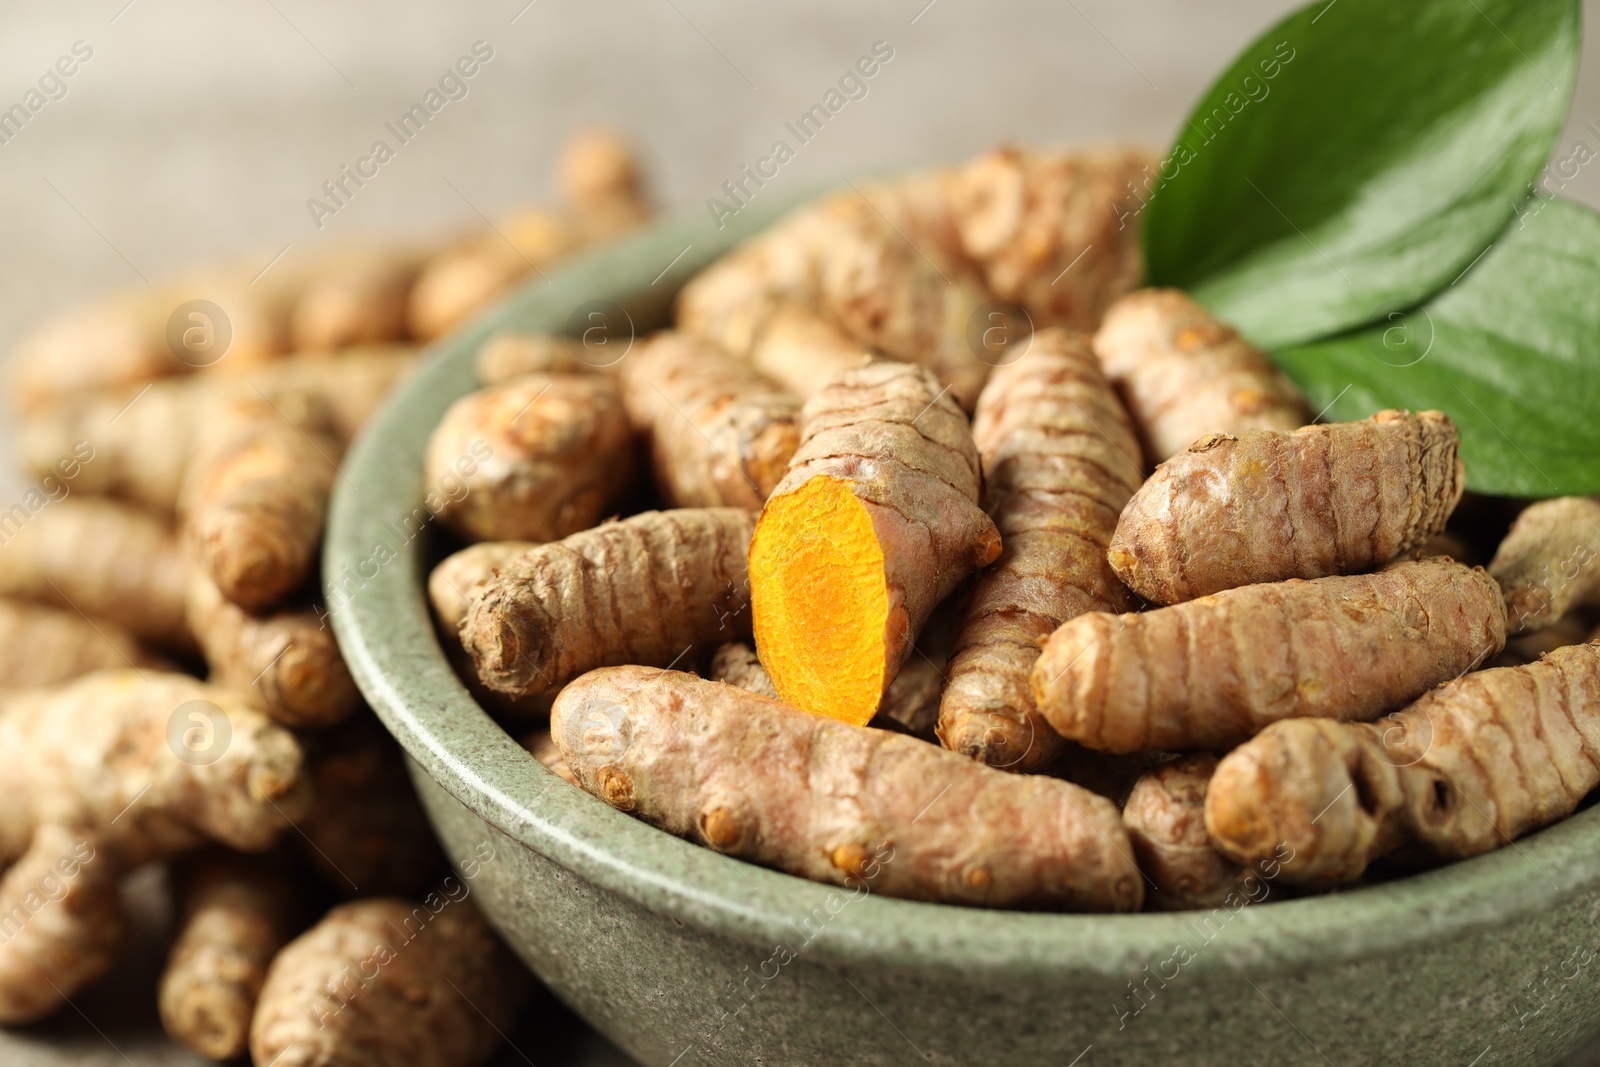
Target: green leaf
1511 352
1357 157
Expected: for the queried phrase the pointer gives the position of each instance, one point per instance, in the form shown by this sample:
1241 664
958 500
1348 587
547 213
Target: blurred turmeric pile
185 438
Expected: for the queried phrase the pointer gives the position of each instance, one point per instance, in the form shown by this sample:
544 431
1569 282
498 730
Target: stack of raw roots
186 438
1004 662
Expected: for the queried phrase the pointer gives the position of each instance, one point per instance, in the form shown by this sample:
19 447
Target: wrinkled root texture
871 810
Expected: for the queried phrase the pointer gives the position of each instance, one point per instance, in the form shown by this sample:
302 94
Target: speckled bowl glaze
682 956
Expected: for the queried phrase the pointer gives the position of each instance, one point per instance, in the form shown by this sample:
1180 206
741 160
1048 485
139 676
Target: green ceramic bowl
682 956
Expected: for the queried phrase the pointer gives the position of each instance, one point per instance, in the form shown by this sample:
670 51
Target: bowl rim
384 627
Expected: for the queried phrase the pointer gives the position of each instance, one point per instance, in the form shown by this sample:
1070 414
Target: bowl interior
380 544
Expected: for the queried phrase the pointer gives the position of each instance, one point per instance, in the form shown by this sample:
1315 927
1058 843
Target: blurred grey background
197 131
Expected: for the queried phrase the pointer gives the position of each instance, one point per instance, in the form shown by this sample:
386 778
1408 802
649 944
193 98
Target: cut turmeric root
1060 460
875 522
868 809
1471 766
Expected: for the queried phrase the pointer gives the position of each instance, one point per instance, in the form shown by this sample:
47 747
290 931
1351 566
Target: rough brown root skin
734 305
876 522
512 354
286 663
41 645
1213 672
1549 562
1165 819
154 764
1471 765
876 268
760 303
1269 505
1060 460
1183 374
366 833
535 459
64 891
388 983
720 435
1051 230
802 351
357 296
453 583
104 559
658 588
451 587
837 803
138 444
892 275
254 502
235 913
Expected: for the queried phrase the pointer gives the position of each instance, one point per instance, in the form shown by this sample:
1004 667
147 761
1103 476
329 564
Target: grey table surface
197 131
